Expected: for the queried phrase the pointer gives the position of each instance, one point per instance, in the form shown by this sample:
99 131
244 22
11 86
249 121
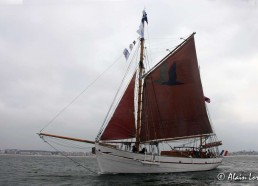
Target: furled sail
173 104
122 123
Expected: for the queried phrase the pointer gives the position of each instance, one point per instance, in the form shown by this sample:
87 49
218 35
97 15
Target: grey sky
51 50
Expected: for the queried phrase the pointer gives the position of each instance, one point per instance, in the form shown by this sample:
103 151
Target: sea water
56 170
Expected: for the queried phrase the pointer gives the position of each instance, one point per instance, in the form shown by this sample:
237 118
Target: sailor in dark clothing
143 150
134 149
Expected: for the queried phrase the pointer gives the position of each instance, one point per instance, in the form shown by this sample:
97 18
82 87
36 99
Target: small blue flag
144 17
126 53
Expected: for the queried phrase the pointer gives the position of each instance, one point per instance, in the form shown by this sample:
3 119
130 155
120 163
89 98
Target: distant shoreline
19 152
241 155
243 152
57 156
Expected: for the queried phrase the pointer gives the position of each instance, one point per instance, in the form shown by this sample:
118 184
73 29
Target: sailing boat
170 109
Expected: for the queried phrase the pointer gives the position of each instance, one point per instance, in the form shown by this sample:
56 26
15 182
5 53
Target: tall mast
140 73
139 109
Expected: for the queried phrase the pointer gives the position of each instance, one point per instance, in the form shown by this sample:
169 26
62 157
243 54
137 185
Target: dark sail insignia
172 77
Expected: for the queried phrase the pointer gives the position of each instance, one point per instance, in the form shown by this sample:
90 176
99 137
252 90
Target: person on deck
134 149
143 150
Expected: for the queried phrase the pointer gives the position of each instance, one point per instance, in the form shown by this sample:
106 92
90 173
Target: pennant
144 17
131 47
140 31
126 53
207 99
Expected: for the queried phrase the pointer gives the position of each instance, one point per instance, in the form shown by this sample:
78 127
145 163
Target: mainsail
122 123
173 100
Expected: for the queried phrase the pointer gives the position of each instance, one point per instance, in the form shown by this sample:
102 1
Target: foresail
122 123
173 100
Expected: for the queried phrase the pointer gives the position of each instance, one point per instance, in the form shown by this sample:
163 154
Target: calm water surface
44 170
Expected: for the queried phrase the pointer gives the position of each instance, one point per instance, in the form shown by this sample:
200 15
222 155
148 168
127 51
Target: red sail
173 104
122 123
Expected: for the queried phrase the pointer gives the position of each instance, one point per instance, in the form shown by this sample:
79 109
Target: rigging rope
66 143
70 103
151 61
107 118
76 162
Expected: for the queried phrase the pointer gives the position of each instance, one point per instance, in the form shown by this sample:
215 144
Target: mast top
140 31
140 88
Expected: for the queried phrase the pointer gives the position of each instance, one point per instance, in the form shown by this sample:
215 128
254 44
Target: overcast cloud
51 50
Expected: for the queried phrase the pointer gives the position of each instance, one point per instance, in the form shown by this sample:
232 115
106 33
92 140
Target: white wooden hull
111 160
